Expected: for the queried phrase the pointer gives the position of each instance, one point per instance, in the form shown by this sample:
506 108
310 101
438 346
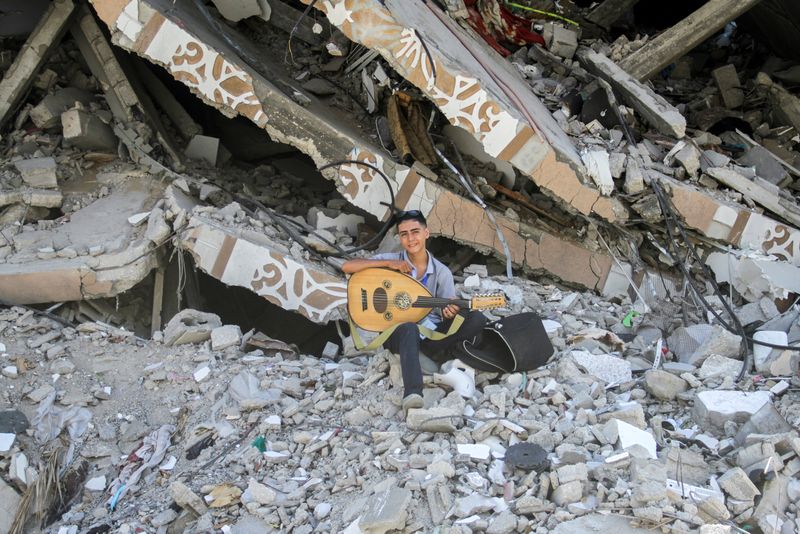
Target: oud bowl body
380 298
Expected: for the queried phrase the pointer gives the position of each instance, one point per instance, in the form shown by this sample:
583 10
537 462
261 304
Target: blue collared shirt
437 278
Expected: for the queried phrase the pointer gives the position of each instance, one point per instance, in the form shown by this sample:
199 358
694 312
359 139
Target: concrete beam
217 76
659 113
733 223
244 258
677 41
125 95
42 40
476 90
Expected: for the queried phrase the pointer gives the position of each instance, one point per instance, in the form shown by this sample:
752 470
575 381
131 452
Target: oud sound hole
388 316
380 300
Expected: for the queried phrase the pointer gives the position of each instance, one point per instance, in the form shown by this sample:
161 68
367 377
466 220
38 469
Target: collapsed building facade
226 156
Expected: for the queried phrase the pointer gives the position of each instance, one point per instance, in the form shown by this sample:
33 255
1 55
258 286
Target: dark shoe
413 401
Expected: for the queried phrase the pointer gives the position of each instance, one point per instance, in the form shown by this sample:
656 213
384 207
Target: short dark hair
410 215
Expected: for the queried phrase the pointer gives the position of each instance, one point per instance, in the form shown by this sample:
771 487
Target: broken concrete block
258 492
695 343
609 369
653 107
689 158
9 502
755 278
664 385
599 523
190 326
738 485
712 409
18 471
157 227
766 421
773 503
767 167
560 40
209 149
47 114
433 419
711 159
617 163
342 223
634 177
96 484
719 366
7 441
87 131
730 88
628 436
226 336
713 509
43 198
569 473
38 172
567 493
598 167
386 511
186 498
763 355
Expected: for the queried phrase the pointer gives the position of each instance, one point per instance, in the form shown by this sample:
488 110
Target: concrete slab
655 109
27 278
248 259
324 136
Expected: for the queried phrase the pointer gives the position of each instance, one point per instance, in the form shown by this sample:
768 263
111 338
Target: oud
378 298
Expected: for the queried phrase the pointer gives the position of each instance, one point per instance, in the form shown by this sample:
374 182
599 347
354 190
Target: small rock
738 485
386 511
62 366
225 336
258 492
96 484
567 493
664 385
186 498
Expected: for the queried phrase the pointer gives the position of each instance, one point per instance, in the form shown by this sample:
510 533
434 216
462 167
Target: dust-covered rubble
293 442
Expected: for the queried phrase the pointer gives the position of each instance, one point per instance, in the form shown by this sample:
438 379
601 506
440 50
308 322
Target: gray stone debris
38 172
190 326
386 511
713 409
225 336
664 385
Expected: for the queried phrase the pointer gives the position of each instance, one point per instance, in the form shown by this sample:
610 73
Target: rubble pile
223 433
645 196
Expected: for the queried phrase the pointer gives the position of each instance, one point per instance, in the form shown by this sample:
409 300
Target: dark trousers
406 342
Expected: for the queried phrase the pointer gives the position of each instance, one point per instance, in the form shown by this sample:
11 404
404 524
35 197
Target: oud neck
433 302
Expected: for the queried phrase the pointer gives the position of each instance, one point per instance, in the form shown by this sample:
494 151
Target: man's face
413 235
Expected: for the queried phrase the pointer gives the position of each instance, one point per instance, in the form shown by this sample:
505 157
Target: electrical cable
670 217
478 200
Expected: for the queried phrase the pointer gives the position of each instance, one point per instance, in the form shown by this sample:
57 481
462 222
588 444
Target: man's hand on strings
450 311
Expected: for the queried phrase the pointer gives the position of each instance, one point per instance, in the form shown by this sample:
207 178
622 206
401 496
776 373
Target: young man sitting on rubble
406 340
